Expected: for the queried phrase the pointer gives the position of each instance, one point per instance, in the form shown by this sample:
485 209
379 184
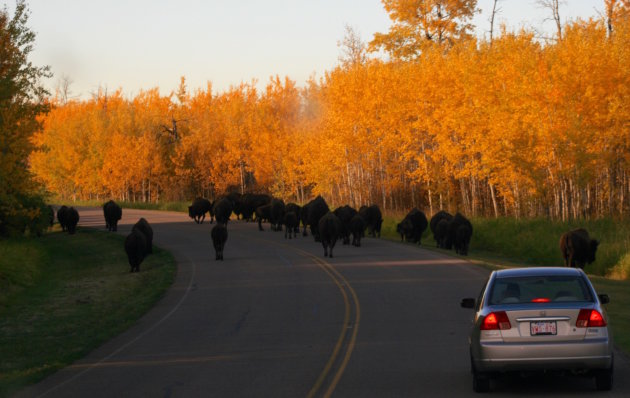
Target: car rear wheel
604 379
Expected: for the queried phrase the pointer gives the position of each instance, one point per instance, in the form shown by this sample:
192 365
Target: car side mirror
603 298
468 303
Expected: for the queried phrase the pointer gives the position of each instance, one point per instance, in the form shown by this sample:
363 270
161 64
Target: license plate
543 328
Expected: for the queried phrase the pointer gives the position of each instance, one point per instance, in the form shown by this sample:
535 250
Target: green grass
61 296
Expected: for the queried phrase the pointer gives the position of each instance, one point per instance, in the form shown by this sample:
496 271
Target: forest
513 125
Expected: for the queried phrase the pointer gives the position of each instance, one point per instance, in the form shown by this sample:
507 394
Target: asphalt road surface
277 319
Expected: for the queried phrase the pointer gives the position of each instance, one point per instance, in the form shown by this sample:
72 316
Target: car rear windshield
540 289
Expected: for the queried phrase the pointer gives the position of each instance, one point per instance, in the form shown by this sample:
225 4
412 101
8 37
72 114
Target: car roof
537 271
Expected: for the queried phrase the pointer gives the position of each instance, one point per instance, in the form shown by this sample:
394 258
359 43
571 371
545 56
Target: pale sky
142 44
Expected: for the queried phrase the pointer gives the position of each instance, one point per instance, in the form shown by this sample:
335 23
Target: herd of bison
344 223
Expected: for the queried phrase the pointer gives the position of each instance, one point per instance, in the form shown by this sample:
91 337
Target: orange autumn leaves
515 127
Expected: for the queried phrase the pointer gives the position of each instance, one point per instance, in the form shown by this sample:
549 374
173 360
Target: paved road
276 319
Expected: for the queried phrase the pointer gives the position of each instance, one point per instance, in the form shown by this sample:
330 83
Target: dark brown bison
297 210
435 220
329 230
112 213
441 233
144 228
72 219
291 224
317 208
458 237
263 213
219 237
357 228
412 226
345 214
62 215
136 249
577 248
222 209
250 202
198 209
277 214
373 219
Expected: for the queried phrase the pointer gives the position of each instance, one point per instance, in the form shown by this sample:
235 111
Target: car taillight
541 300
496 320
590 318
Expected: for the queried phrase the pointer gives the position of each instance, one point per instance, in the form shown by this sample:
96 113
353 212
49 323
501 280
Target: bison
222 209
219 237
345 214
263 213
441 233
373 219
198 209
62 215
317 208
357 228
329 230
291 224
297 210
136 249
72 219
577 247
412 226
276 214
112 213
144 228
250 202
433 224
458 240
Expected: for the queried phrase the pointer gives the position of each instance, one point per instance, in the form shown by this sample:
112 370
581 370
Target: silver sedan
540 319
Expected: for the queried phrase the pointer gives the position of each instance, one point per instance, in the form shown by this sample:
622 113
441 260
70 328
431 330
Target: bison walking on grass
139 243
219 237
577 247
329 230
143 226
112 213
71 220
136 249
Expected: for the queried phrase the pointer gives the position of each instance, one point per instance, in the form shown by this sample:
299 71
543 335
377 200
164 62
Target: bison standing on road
357 228
250 202
222 210
297 210
291 224
219 237
577 247
329 229
441 233
198 209
317 208
438 235
345 214
112 213
277 214
459 234
373 218
412 226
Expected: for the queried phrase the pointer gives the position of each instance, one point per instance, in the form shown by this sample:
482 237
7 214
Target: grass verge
61 296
